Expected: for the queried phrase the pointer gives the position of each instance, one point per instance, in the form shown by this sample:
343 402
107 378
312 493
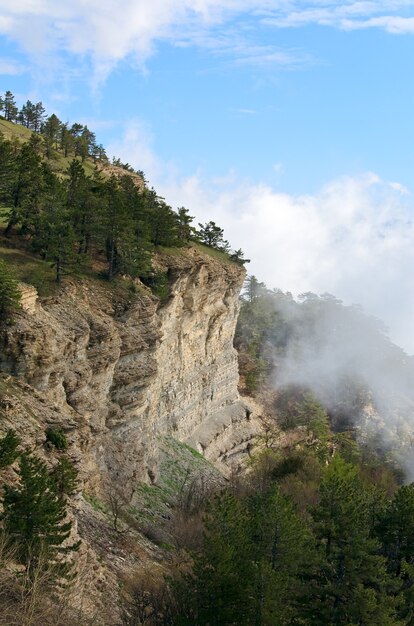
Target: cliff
119 372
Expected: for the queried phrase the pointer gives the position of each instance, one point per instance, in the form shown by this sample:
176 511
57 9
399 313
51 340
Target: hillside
134 371
138 485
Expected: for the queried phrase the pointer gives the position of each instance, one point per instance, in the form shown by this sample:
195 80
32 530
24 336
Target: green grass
95 503
16 131
170 251
30 269
193 452
58 162
180 465
221 256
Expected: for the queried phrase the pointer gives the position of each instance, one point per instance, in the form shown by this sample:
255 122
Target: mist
348 362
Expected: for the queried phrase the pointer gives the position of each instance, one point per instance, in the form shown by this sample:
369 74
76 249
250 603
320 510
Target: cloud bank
353 239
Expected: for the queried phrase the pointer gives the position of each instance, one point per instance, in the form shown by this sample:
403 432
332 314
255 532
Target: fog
347 360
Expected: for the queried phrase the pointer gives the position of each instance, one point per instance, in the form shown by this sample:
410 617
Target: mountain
171 453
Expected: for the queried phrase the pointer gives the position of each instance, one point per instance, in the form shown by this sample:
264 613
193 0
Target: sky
288 122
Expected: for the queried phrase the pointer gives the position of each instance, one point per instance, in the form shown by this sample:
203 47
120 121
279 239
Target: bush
159 285
57 437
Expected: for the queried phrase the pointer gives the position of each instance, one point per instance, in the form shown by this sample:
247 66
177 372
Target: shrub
57 437
159 285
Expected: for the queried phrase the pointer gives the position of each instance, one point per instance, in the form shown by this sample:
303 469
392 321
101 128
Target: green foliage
57 437
9 107
238 257
7 171
9 292
159 284
250 567
74 220
308 539
350 568
9 448
212 235
65 477
185 230
34 518
259 327
219 589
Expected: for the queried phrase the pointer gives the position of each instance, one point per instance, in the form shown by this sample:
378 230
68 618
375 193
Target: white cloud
353 239
10 67
246 111
388 15
392 24
108 31
136 148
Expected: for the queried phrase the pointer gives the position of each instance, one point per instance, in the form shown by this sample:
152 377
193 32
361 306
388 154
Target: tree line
75 139
71 218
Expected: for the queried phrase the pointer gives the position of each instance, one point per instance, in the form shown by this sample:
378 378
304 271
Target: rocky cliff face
120 370
122 374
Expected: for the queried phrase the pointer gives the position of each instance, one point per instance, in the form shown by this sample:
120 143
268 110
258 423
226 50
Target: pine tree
9 107
67 141
162 221
185 230
28 186
220 589
51 130
27 114
65 477
8 448
34 518
81 203
238 257
212 235
117 225
396 532
253 289
86 143
55 236
137 255
396 529
98 153
8 171
283 553
38 117
351 584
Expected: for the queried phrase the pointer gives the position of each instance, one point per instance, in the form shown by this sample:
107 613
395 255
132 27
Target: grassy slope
58 162
30 268
14 131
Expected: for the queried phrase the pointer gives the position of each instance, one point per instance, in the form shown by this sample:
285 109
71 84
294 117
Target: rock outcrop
127 370
120 372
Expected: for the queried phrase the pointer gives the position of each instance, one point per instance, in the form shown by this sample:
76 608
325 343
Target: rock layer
127 370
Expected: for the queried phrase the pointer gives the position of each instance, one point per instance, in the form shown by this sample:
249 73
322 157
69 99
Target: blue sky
289 122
